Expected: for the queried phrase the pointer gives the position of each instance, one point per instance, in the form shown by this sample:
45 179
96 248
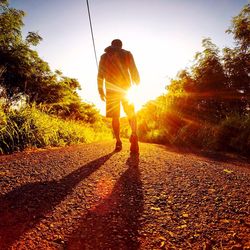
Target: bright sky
163 35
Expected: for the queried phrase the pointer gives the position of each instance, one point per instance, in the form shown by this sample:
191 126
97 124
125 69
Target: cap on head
117 43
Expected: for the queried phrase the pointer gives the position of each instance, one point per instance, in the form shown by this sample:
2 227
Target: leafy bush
233 134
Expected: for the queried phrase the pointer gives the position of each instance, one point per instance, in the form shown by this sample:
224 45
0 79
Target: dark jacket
118 69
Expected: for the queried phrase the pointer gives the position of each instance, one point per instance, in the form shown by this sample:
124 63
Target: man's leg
134 147
116 129
113 111
130 112
133 124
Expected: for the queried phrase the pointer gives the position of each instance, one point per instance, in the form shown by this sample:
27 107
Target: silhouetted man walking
118 71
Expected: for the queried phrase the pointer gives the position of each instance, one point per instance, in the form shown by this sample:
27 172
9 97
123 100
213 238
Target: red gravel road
86 197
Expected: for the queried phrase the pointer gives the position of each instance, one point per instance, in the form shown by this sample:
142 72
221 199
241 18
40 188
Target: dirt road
88 197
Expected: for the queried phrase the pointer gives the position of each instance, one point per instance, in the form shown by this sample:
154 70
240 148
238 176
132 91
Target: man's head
117 43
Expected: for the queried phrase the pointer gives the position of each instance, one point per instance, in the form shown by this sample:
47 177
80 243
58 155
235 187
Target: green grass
29 127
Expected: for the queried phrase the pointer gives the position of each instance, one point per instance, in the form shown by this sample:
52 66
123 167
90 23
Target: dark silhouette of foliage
24 74
240 28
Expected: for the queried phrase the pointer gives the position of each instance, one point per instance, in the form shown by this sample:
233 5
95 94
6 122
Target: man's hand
103 97
101 93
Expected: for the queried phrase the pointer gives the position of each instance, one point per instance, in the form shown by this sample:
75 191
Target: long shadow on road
22 208
114 222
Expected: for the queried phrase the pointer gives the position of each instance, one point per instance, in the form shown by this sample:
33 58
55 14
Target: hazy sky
163 35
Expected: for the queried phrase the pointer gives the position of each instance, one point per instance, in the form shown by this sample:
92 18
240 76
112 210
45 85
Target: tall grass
29 127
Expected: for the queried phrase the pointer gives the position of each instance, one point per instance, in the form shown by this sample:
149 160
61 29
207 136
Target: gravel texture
88 197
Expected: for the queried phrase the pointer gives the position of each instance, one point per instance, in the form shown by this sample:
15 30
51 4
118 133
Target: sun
135 96
139 95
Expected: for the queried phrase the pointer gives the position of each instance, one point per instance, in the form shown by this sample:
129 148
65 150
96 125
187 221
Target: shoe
134 147
118 146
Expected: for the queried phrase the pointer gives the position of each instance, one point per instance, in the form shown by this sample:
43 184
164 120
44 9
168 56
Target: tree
197 92
24 73
240 28
20 65
236 62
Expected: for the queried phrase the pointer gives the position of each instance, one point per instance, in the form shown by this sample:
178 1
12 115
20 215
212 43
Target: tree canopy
24 73
219 81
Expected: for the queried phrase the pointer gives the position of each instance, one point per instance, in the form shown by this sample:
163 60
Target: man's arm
133 69
100 79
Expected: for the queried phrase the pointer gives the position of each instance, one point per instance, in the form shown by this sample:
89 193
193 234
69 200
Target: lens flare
137 95
132 94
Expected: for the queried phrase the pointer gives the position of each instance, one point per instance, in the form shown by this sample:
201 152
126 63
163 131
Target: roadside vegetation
38 107
30 127
207 106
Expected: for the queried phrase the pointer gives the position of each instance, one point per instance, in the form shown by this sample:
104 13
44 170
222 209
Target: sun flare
135 96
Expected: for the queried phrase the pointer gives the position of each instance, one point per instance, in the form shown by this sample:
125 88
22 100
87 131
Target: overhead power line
92 33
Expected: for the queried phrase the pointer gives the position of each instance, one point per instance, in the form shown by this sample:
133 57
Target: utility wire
92 33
